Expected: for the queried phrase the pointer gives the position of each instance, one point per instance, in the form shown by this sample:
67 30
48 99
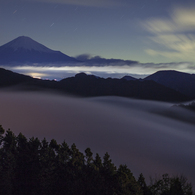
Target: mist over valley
134 132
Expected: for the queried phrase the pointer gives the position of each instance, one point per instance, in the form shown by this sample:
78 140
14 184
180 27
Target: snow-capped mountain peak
26 43
23 50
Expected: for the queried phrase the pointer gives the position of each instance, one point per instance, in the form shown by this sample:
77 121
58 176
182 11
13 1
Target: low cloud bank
98 61
125 128
112 68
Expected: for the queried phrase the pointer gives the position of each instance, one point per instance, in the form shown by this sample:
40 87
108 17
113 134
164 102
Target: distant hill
9 78
129 78
179 81
25 50
90 85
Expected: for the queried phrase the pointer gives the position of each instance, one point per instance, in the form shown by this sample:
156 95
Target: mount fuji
24 50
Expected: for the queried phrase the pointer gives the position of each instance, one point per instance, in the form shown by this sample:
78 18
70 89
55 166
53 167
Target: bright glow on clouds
90 3
61 72
37 75
175 35
66 71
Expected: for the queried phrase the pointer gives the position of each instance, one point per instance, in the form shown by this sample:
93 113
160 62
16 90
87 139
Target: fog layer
125 128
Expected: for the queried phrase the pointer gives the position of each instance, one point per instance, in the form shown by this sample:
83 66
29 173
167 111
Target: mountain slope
179 81
89 85
25 50
9 78
129 78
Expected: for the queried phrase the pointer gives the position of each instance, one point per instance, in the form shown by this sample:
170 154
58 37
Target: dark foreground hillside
90 85
36 167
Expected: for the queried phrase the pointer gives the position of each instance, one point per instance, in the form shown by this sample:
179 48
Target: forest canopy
34 167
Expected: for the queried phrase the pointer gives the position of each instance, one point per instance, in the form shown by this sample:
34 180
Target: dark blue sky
148 31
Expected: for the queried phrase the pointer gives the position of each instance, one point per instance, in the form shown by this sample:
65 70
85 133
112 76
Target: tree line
34 167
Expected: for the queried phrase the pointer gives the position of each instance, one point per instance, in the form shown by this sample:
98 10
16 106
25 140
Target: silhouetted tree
88 156
8 162
2 131
144 187
47 168
33 167
127 183
171 186
108 172
97 162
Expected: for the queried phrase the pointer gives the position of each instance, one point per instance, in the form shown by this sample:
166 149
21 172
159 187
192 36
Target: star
51 24
143 7
15 11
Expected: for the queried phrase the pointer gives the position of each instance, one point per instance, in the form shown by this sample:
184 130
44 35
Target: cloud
179 46
83 57
157 26
175 34
181 20
138 70
88 3
184 17
127 129
88 60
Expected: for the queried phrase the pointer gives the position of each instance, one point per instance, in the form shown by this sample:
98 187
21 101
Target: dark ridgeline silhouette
25 50
189 106
90 85
129 78
179 81
31 166
9 78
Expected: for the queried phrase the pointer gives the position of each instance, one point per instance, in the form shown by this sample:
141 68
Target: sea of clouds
133 132
114 68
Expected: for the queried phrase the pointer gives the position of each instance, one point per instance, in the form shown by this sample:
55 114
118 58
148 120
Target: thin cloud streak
89 60
137 70
88 3
174 34
182 20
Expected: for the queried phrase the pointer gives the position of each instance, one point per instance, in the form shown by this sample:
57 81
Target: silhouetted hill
15 81
90 85
25 50
179 81
9 78
129 78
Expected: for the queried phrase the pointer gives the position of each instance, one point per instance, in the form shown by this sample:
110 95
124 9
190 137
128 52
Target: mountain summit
26 43
24 50
179 81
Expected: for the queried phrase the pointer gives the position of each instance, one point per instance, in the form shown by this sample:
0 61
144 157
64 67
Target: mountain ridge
179 81
84 85
25 50
26 43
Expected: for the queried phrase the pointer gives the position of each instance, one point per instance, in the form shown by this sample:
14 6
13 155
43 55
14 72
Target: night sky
159 34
